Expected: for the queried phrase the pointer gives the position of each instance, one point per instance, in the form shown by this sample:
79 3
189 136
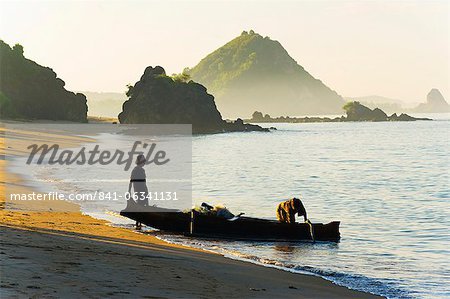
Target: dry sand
47 252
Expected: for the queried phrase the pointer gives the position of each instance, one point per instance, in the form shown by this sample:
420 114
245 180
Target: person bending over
286 210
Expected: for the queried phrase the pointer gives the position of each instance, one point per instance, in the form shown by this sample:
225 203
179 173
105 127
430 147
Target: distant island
160 99
31 91
255 72
355 111
435 103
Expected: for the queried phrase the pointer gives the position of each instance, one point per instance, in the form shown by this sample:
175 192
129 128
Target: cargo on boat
239 228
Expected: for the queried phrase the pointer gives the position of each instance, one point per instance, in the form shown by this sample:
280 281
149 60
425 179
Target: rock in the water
239 126
159 99
406 117
435 103
357 112
31 91
379 115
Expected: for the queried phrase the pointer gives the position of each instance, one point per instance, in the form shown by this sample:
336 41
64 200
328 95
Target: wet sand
50 249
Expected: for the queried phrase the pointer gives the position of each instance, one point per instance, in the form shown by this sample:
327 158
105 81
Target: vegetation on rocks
160 99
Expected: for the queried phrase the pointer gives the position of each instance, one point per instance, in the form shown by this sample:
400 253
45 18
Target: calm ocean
388 183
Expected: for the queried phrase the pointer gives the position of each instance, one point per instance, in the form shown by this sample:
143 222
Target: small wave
352 281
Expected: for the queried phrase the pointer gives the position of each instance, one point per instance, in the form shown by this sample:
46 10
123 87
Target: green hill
252 72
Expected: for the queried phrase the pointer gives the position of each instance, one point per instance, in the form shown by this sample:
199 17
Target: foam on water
234 251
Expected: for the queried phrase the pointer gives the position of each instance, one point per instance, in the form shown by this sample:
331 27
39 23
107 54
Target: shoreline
35 244
272 264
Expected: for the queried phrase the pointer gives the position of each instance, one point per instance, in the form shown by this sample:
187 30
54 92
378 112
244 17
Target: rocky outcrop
404 117
355 112
388 105
160 99
435 103
31 91
239 126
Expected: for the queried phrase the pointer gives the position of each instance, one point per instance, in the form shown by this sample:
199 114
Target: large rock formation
31 91
160 99
435 103
252 72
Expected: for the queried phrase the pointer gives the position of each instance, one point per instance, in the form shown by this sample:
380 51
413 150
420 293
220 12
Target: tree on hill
182 77
257 116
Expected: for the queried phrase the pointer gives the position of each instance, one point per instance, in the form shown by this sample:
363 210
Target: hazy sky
398 49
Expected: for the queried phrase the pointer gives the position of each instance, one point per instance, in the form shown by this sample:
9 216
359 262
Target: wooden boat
241 228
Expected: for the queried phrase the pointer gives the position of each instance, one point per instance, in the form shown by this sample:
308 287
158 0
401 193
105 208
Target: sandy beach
48 251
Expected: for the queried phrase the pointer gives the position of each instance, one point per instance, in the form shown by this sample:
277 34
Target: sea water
388 183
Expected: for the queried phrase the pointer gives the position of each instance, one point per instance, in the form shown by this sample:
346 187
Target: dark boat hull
243 228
